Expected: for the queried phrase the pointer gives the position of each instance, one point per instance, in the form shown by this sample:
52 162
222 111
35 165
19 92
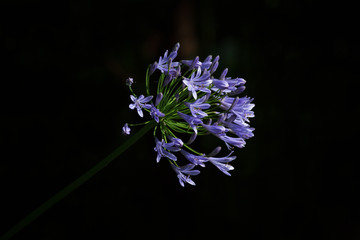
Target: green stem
74 185
147 80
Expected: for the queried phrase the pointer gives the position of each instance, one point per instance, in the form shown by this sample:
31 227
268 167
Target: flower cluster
191 100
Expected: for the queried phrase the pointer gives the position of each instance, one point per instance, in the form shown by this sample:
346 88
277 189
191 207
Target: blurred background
64 101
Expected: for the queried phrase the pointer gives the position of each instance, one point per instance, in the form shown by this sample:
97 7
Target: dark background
64 101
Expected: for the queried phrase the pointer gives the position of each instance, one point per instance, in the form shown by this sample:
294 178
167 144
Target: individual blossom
184 173
126 129
195 159
192 121
227 84
165 63
192 101
177 144
161 149
197 107
155 113
242 109
194 64
222 163
241 130
140 103
198 82
215 129
232 141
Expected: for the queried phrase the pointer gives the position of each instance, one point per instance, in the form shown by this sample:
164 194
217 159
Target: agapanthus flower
194 64
155 114
184 173
192 99
125 129
198 82
165 63
192 121
195 159
222 163
197 107
161 149
140 103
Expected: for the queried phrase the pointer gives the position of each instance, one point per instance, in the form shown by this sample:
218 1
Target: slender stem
138 124
74 185
147 80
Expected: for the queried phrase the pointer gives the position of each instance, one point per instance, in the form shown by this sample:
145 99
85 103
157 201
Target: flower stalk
77 183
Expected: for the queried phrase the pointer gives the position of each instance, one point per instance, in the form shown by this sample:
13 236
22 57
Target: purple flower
140 103
193 64
219 85
220 132
195 159
185 170
174 73
161 152
228 85
242 108
126 129
198 82
206 64
165 63
215 129
236 142
197 106
243 130
193 101
177 144
155 113
220 163
190 120
129 81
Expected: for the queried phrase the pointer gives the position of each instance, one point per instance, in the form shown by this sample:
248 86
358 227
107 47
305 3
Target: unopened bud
158 99
129 81
214 152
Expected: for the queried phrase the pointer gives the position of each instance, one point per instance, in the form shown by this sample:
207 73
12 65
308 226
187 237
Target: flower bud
214 152
158 99
223 74
129 81
192 138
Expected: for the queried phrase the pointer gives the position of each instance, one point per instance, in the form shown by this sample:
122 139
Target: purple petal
140 112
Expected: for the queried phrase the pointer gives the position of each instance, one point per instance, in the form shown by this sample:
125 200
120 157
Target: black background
64 101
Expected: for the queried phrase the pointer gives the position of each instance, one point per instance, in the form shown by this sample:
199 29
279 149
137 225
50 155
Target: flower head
192 99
